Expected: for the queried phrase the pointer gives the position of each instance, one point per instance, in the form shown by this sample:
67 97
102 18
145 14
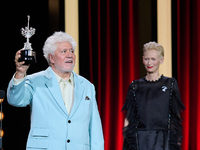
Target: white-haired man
64 113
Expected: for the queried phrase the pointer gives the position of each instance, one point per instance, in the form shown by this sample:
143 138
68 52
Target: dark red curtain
188 56
113 59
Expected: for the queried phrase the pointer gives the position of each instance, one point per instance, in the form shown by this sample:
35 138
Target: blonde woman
152 108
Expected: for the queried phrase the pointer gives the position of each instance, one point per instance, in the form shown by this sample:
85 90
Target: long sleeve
130 111
19 95
96 133
176 119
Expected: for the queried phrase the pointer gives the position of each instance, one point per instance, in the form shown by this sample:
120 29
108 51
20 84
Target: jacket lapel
54 89
78 93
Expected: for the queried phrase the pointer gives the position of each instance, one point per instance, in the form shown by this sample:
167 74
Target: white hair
50 44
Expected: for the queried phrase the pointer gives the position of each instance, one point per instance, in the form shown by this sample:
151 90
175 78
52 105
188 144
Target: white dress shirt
67 90
66 87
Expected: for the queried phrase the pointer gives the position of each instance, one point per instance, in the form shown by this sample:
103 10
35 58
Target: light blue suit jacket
52 128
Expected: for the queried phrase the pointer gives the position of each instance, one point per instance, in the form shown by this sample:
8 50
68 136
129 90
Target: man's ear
51 58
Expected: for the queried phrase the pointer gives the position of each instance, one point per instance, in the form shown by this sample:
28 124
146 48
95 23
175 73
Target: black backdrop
13 16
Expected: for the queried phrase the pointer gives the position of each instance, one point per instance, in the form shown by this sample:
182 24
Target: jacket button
68 141
69 121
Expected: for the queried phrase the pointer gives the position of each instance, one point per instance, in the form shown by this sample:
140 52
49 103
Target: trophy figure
27 54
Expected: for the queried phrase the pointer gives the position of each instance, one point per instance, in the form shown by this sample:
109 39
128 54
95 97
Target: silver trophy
27 53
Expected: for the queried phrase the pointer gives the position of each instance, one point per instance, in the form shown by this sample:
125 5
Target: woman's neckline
153 80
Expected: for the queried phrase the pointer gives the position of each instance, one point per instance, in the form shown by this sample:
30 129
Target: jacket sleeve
96 133
19 95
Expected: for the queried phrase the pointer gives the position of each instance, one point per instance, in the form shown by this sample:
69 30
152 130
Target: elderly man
64 113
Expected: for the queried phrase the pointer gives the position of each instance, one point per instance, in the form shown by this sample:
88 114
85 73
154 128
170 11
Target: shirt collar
70 80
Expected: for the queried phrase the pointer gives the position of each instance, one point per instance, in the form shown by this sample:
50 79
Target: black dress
153 109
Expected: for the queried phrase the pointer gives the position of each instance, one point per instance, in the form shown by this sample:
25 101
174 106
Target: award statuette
27 54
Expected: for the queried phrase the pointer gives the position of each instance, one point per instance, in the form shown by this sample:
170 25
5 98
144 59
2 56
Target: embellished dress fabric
153 109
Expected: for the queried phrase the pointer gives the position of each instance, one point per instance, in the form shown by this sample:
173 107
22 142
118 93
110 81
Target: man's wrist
19 75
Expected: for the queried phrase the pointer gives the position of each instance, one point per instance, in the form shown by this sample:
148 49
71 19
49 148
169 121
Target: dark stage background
111 35
13 15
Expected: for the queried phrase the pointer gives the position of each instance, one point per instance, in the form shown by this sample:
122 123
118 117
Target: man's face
63 59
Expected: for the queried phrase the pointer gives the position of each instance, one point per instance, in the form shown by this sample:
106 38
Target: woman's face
152 60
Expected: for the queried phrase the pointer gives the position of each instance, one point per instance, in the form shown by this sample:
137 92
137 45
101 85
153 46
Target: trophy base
28 56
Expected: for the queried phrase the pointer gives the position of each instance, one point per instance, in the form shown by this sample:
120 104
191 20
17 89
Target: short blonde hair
153 46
